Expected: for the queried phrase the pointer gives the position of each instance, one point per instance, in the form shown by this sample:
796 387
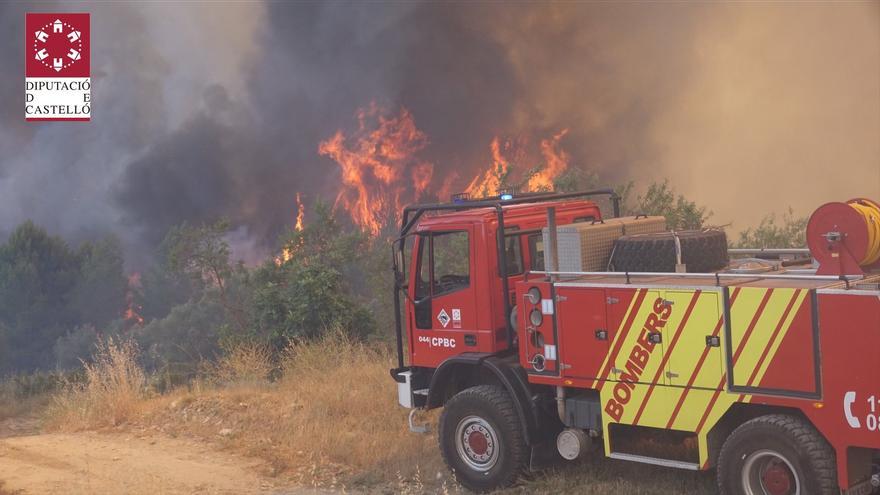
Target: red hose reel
845 237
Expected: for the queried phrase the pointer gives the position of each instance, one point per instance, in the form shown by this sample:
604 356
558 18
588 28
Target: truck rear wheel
481 438
777 455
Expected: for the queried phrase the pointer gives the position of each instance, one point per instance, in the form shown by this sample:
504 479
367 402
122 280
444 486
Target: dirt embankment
116 463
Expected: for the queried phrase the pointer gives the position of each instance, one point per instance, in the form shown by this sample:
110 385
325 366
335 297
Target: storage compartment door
583 334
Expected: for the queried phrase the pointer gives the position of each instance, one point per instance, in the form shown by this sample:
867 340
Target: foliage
162 287
202 253
310 291
75 347
99 294
187 335
575 179
24 385
47 288
662 199
790 233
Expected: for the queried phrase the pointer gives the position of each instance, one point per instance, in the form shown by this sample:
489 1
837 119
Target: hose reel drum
845 237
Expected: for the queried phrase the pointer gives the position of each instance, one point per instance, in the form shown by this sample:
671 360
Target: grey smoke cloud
205 111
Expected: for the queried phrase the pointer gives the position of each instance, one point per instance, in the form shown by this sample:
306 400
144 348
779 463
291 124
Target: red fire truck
770 375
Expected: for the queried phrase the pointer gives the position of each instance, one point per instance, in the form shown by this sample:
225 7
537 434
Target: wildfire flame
287 251
132 309
381 170
300 214
379 166
554 161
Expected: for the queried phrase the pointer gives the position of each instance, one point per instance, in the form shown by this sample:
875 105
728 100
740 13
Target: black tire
701 251
777 450
493 406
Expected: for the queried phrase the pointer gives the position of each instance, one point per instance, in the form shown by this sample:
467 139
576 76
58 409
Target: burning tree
380 169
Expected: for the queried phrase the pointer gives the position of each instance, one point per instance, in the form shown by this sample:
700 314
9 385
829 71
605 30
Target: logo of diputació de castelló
57 72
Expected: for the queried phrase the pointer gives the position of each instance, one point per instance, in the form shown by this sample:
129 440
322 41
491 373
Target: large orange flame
555 163
505 158
379 165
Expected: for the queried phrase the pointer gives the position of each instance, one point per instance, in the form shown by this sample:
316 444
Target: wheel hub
777 479
766 472
477 443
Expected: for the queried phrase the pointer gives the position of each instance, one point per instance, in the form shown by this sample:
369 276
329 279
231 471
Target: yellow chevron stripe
786 326
663 399
617 333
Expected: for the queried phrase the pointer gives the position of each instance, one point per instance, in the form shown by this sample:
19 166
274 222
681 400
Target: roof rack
463 202
714 276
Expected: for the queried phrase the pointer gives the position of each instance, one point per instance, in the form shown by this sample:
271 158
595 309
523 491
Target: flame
489 182
287 251
555 162
132 309
378 166
300 214
505 156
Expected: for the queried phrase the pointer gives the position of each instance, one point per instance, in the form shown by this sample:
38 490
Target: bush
75 347
111 394
308 290
791 233
188 335
242 363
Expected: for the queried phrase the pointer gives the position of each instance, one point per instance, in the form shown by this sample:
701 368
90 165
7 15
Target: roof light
506 197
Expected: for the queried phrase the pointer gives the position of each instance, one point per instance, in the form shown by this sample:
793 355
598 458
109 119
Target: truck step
656 461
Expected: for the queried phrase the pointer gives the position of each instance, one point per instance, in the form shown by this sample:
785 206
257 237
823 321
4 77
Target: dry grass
330 420
241 365
113 391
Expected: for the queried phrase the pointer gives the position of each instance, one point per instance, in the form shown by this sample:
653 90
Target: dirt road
93 463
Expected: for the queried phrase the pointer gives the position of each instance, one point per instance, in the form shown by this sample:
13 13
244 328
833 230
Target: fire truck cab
771 376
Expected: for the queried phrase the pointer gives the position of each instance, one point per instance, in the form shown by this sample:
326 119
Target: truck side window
514 255
536 252
422 273
451 255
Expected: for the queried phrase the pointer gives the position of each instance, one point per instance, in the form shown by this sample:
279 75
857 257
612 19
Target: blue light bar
506 197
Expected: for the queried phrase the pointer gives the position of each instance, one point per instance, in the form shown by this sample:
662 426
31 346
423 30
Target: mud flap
543 456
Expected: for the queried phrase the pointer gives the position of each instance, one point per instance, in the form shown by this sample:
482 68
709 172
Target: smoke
206 111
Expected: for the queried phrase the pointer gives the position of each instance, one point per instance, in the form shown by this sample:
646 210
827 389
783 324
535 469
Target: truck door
443 318
639 333
694 346
584 335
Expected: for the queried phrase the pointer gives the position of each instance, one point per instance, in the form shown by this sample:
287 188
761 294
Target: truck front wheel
481 438
777 455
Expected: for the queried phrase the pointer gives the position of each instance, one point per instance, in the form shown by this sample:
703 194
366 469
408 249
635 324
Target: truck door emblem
456 318
443 318
848 400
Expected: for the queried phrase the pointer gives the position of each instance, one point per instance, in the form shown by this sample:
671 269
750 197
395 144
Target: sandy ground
116 463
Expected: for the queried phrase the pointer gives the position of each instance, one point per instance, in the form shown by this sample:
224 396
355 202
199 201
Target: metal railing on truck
715 276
